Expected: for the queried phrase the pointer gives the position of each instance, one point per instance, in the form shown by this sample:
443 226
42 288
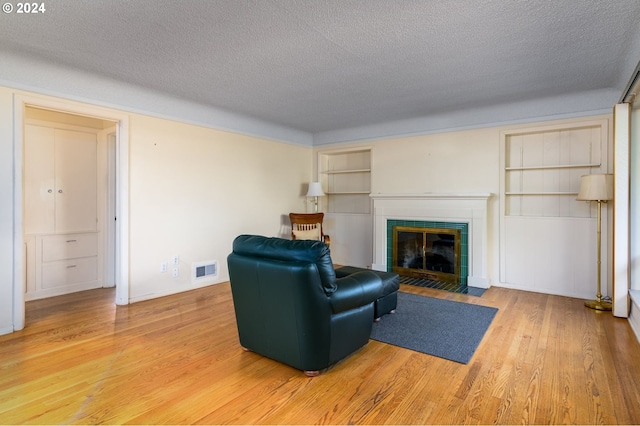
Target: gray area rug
443 328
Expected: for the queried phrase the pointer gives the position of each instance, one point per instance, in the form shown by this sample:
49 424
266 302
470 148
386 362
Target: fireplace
455 211
429 253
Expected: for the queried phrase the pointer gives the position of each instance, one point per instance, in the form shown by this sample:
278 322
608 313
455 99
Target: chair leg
311 373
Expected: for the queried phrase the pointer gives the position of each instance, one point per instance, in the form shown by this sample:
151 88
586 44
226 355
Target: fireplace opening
428 253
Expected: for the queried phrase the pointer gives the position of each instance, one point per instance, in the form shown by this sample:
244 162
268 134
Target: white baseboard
478 282
6 330
174 290
634 315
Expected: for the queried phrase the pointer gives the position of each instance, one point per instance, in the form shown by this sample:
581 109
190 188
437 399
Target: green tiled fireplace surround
464 241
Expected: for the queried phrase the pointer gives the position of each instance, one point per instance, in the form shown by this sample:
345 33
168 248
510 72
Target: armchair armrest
356 290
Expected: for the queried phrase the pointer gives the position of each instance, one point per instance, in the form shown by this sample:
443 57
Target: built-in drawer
66 272
69 246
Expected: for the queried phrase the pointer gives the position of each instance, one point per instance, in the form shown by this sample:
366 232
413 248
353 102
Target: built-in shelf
346 192
346 179
542 170
541 193
335 172
559 166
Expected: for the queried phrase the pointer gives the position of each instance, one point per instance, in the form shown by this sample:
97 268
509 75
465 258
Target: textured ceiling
324 65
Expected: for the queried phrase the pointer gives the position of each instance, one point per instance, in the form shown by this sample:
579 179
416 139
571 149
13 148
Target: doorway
114 206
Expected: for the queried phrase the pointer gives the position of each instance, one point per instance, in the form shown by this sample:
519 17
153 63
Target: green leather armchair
290 307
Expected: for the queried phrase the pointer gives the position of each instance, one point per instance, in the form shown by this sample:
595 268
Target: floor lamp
598 188
315 190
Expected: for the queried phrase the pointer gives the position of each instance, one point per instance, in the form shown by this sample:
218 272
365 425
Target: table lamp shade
596 188
315 190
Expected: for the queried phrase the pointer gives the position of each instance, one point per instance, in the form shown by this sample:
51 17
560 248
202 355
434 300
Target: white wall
464 161
192 190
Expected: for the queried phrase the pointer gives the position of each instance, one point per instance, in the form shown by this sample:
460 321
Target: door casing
121 119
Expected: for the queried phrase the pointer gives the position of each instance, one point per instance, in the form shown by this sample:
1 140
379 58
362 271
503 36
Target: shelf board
336 172
541 193
348 193
559 166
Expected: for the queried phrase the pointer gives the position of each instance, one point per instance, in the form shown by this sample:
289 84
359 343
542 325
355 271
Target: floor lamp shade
598 188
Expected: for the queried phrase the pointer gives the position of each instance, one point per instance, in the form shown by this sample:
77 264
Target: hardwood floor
544 360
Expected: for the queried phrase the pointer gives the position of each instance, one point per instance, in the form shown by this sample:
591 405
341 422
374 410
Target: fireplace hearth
428 253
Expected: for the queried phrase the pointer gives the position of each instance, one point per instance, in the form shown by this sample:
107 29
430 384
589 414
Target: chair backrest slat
307 222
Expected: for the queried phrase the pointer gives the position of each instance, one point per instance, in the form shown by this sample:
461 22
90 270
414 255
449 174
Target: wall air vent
204 271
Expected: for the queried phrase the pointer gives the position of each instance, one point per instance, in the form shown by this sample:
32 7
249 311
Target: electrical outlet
175 272
176 260
163 267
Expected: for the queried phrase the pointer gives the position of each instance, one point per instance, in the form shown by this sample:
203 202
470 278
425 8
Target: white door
39 182
76 181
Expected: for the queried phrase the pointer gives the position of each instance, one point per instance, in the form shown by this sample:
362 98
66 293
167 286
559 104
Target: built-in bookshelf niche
346 179
542 169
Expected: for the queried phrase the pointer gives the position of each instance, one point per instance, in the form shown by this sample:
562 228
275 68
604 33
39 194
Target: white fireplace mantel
470 208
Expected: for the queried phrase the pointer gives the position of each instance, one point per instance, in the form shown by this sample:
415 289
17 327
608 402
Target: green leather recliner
290 307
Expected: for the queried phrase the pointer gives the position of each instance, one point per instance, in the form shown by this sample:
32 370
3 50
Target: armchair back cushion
305 251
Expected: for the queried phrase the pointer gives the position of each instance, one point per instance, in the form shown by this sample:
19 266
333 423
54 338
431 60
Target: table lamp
315 190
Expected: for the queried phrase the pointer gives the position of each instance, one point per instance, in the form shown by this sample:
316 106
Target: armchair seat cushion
356 290
390 284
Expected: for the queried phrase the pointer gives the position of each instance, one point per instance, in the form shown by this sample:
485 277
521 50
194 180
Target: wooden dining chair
308 226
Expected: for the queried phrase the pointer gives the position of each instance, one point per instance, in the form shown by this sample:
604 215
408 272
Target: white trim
621 270
434 196
122 228
18 234
634 199
30 74
122 212
172 291
111 139
634 312
512 114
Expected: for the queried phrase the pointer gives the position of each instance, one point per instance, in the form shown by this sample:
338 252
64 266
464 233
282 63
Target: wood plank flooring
544 360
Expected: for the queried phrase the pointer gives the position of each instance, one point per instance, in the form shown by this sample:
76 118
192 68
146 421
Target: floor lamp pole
599 304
